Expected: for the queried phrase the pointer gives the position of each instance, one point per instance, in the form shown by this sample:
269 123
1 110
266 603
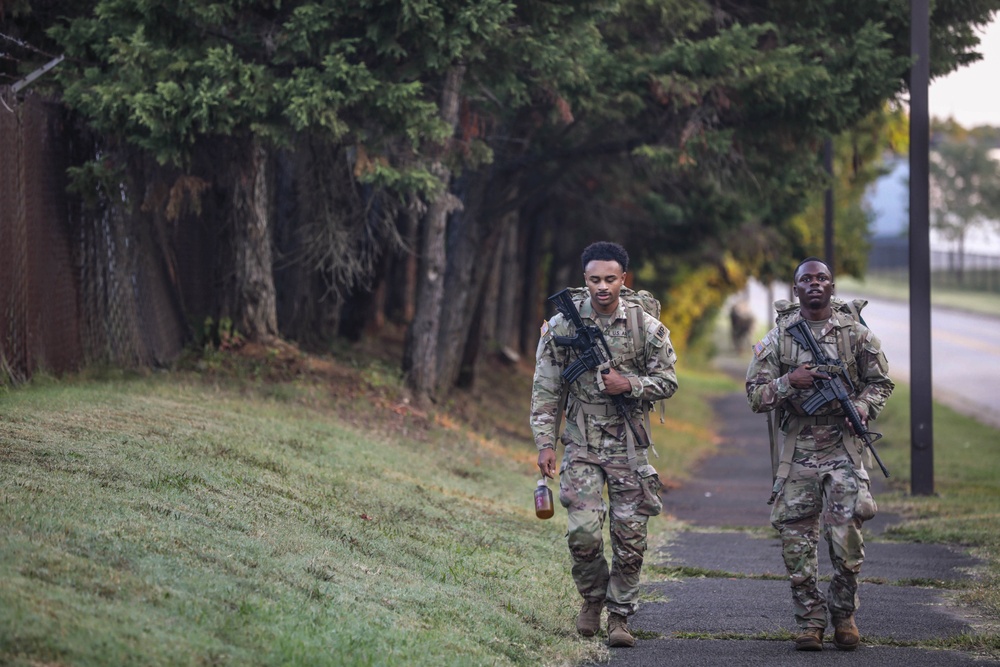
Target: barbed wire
25 45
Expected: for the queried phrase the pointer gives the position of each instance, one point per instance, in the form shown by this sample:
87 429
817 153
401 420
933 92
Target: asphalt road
965 350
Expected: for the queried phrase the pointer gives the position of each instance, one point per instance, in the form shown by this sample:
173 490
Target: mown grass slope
274 508
269 508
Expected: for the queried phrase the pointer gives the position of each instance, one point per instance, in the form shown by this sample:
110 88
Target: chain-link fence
950 269
40 326
77 284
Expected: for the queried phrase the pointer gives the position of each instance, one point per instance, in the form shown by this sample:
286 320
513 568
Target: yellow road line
965 341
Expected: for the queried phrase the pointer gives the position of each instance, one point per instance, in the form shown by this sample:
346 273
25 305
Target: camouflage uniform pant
582 478
822 485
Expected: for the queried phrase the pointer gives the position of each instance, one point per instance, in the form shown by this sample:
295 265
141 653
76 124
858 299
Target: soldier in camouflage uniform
821 476
598 442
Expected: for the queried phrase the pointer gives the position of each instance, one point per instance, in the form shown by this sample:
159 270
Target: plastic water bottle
544 509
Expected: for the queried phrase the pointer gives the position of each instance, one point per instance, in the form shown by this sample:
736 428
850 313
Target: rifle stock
834 389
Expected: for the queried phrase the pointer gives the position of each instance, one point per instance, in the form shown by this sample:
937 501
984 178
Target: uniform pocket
865 507
650 483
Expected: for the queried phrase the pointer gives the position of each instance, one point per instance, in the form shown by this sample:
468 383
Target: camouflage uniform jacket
768 387
650 372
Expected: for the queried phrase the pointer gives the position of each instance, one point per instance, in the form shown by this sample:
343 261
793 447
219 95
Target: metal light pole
921 400
828 206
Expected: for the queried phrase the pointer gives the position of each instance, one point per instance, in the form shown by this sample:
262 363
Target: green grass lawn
165 522
965 507
244 515
987 303
229 519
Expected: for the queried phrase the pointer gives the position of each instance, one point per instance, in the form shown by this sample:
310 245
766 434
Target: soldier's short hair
605 251
795 273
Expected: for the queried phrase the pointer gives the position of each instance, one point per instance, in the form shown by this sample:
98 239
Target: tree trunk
493 328
532 313
472 245
511 288
558 275
308 312
362 310
402 274
488 318
249 294
421 356
478 333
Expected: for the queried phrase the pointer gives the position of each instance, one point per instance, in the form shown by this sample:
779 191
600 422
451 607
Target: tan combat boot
618 634
809 639
845 633
588 622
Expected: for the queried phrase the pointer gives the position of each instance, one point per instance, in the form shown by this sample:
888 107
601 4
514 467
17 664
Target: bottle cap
541 482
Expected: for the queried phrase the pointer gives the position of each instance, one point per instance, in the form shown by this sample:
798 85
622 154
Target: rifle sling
773 427
614 363
832 369
563 395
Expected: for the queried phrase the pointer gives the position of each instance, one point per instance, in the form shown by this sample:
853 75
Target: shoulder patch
658 333
872 342
547 332
763 347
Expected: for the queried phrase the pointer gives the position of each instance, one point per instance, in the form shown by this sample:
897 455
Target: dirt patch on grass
364 383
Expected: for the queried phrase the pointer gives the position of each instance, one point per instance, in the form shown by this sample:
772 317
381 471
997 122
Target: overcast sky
971 95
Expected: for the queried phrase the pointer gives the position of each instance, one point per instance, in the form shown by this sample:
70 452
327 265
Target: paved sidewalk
741 611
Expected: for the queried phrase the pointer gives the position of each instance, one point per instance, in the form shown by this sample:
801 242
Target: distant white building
888 199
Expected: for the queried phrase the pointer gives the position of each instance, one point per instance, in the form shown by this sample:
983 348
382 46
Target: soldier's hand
803 376
862 409
615 383
547 462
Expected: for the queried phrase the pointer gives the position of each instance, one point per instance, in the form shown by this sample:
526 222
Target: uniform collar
587 310
829 325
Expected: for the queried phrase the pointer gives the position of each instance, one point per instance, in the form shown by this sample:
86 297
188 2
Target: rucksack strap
563 395
844 350
785 358
774 418
638 331
639 344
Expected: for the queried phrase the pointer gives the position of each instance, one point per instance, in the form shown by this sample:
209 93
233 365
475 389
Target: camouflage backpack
632 298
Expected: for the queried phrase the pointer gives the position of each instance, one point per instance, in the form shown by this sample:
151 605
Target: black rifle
833 389
592 351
